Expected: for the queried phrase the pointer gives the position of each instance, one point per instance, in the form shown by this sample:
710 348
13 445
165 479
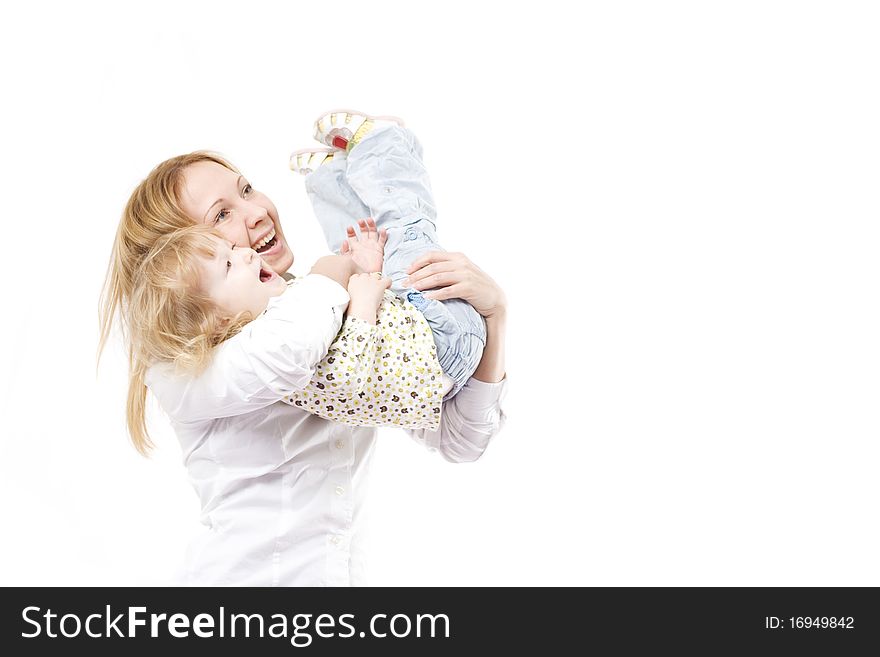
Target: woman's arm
474 415
491 367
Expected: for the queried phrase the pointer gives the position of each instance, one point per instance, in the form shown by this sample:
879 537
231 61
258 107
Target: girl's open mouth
266 275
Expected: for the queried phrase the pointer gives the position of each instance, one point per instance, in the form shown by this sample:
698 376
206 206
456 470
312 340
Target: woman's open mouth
266 243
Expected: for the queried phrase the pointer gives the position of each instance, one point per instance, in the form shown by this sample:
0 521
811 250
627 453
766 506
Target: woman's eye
247 190
221 216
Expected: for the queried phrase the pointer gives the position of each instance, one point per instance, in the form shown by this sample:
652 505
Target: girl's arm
344 371
336 267
271 357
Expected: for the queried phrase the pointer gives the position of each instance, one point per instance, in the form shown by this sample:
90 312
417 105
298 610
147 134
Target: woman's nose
255 214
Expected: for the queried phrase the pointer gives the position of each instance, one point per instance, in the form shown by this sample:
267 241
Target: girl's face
214 195
237 280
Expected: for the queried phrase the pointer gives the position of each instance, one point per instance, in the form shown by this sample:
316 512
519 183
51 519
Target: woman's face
212 194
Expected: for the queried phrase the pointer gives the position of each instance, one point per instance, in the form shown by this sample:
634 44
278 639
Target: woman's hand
456 277
366 292
367 249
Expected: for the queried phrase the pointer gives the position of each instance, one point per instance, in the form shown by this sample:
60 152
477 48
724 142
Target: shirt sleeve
271 357
469 421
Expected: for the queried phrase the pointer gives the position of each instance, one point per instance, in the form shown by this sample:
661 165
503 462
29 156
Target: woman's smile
265 243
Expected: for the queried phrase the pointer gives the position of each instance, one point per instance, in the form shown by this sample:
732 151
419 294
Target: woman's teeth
266 243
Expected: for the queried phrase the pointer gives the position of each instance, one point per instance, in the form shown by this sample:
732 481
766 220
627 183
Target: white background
680 199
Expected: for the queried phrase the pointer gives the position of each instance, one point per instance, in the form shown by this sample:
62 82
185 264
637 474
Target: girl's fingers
368 229
383 237
344 248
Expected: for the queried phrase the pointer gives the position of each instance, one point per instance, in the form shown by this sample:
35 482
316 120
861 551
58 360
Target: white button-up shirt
282 490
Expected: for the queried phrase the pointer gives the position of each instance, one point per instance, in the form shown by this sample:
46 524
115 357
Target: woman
282 491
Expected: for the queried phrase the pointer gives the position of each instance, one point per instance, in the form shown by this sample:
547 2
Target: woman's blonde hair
169 318
152 213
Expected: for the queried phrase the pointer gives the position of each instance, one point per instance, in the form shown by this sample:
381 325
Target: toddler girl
195 291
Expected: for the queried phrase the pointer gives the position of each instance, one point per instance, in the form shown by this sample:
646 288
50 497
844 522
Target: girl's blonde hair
169 318
152 213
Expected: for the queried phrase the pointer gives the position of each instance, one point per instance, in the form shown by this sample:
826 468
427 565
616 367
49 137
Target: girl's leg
334 202
386 171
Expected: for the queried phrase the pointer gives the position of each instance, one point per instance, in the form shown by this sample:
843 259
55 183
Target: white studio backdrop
680 200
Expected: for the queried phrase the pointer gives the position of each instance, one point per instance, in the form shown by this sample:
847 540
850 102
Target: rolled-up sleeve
271 357
469 421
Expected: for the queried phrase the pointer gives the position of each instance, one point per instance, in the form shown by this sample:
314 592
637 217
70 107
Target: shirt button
335 540
339 444
340 490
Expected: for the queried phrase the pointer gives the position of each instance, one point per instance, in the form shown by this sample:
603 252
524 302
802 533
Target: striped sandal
306 160
343 129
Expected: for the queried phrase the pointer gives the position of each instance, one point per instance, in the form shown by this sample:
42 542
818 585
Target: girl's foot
306 160
343 129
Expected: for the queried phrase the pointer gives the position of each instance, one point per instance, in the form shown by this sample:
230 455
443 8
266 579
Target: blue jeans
383 177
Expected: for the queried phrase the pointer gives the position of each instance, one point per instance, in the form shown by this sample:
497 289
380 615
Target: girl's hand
367 249
454 276
366 292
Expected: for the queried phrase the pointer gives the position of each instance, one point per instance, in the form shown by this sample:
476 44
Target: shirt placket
341 504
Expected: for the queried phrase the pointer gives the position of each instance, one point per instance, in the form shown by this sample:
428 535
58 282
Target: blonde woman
282 490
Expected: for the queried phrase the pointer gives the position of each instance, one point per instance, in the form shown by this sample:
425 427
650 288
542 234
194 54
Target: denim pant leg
334 202
387 173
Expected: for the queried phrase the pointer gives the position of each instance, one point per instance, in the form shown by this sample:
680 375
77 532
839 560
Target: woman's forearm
491 367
